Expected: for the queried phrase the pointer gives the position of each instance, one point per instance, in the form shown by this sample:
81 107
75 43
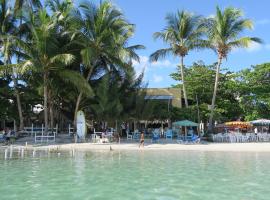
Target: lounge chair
169 134
2 138
129 135
188 139
136 135
155 136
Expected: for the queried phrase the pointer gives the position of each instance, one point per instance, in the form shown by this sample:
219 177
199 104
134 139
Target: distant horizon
148 17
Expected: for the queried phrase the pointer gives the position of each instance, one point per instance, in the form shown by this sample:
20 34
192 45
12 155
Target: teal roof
184 123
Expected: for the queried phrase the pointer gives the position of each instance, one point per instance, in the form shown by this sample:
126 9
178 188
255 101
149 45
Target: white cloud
140 66
263 21
157 78
145 64
254 47
163 63
211 15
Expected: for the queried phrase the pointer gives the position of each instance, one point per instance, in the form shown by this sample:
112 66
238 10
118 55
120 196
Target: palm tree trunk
51 109
183 81
17 94
19 105
214 94
79 99
18 99
45 79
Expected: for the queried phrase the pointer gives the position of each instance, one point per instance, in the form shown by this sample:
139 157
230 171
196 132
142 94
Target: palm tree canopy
224 31
104 36
183 33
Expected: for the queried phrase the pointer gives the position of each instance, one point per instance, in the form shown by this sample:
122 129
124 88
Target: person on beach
256 131
142 140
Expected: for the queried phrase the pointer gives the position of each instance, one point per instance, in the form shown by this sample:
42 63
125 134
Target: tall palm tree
45 55
7 32
224 35
103 39
182 33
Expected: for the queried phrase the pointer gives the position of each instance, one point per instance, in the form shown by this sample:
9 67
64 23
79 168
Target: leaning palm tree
183 34
224 35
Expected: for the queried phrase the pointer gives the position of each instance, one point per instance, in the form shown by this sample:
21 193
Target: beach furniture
136 135
40 136
2 138
129 135
169 134
29 131
155 136
188 139
96 136
70 130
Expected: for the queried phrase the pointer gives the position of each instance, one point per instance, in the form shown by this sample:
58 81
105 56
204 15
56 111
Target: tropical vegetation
70 57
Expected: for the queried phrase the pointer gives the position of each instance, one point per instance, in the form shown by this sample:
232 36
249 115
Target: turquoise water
136 175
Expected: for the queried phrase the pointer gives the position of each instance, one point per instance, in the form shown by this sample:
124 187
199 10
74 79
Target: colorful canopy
261 122
238 124
184 123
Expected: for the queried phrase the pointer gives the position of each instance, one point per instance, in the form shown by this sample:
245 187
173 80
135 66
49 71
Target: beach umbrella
261 122
185 123
238 124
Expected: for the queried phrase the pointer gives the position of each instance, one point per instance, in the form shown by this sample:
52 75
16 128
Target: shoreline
207 147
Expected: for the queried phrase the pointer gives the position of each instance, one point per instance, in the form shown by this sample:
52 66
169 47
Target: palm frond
160 54
77 80
65 59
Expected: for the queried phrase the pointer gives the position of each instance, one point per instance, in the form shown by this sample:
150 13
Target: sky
148 17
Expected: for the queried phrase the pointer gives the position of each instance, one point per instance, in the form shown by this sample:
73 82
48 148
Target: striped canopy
238 124
261 122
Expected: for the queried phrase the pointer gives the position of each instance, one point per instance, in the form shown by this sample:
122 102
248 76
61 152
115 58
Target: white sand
219 147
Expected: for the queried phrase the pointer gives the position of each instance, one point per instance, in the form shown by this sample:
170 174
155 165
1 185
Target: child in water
142 139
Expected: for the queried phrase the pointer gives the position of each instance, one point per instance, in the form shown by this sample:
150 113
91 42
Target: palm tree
45 55
183 33
224 35
103 39
8 30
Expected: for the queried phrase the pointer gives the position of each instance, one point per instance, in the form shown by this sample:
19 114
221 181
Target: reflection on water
134 175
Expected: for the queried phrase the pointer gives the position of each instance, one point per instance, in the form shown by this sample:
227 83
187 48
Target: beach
206 146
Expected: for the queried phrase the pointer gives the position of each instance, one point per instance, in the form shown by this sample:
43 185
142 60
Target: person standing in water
142 139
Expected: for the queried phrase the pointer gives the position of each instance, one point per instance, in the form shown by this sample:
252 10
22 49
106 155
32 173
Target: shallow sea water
135 175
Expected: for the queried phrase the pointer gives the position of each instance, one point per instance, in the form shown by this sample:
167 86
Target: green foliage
254 92
224 31
200 80
85 50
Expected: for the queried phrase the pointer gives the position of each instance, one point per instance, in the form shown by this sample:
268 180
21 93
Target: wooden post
56 131
42 133
32 130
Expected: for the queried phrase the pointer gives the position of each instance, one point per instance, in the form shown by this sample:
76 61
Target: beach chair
136 135
169 134
195 139
180 138
129 135
2 138
188 139
155 136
